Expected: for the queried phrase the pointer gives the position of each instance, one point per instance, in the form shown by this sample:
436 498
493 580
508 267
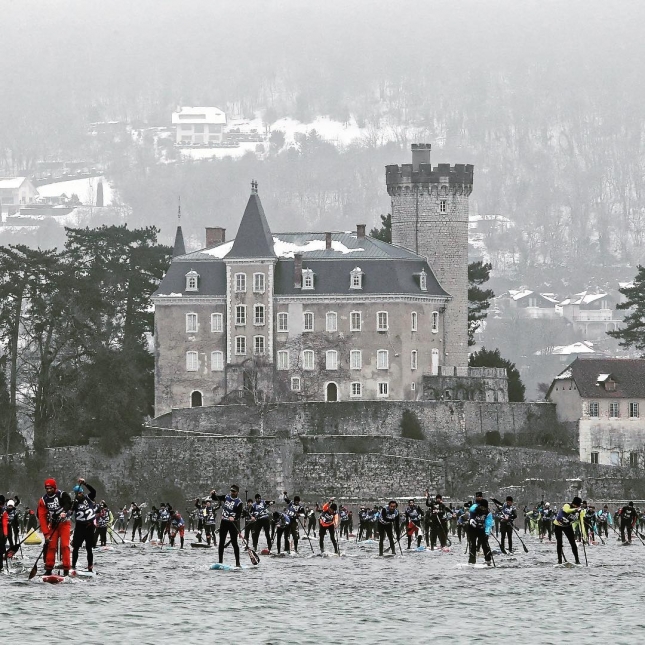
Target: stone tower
430 217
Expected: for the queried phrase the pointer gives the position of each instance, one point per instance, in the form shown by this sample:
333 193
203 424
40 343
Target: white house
14 192
199 125
605 397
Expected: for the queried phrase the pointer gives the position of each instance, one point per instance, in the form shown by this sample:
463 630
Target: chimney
297 270
420 154
215 235
360 231
328 241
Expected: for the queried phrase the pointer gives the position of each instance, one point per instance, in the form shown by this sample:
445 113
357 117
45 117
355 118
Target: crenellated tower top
420 173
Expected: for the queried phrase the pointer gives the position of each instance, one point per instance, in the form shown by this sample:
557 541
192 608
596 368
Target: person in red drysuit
53 509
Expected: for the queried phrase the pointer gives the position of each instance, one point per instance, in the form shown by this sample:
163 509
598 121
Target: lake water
146 595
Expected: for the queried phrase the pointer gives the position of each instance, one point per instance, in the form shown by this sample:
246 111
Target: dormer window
356 279
423 280
192 281
307 279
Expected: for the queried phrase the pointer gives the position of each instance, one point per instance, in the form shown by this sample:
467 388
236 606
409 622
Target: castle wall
452 421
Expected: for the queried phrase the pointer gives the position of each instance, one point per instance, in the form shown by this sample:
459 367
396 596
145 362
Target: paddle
253 556
307 534
112 534
501 547
11 552
34 569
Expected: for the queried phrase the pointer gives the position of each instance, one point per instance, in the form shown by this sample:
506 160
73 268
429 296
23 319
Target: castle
326 316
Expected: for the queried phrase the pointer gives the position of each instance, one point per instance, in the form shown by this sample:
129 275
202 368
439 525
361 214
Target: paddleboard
77 573
201 545
420 548
566 565
53 579
225 567
34 538
106 548
367 542
479 565
265 552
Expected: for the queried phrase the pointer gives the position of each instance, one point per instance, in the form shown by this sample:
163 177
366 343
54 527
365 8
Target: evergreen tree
478 299
632 333
385 232
492 358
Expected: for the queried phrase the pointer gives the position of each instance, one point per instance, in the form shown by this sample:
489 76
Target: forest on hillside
544 98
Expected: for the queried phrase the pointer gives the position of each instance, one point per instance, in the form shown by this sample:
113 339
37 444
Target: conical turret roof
253 239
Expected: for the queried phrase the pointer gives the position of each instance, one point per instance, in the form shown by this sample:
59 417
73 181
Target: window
382 359
240 315
633 460
442 206
258 283
614 458
633 410
199 128
413 359
413 386
423 280
283 359
593 409
533 301
435 322
356 279
240 282
414 321
614 410
196 399
240 345
381 321
308 359
383 389
283 321
307 279
308 322
594 457
331 359
356 390
258 318
192 281
331 321
217 322
258 345
191 323
355 321
217 361
192 361
295 384
355 359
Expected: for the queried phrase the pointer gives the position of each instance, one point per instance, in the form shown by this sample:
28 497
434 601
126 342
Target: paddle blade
525 549
145 538
253 556
33 572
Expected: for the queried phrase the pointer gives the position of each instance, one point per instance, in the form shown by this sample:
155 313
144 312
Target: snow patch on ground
85 188
286 249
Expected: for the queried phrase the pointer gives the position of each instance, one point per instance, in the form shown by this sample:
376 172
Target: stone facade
430 217
467 383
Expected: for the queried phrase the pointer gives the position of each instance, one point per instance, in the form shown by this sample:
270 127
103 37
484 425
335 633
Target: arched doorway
196 399
331 392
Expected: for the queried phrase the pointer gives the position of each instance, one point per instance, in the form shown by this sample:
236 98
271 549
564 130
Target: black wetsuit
84 512
387 521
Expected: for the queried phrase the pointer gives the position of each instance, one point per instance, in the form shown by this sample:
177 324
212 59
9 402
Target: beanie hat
576 501
77 489
235 488
483 502
11 503
51 482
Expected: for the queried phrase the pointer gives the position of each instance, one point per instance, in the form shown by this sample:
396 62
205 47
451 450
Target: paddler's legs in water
568 531
228 528
385 529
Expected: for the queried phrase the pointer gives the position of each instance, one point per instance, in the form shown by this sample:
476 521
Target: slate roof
254 239
199 115
387 269
179 248
629 375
